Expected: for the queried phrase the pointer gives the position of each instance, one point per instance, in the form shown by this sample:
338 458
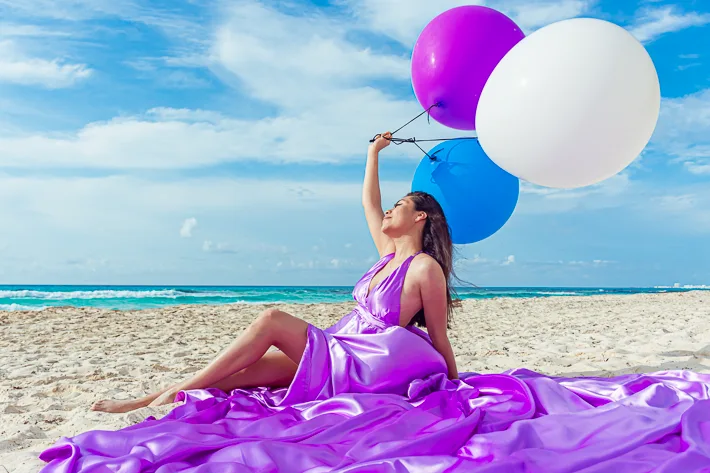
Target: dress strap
405 266
415 254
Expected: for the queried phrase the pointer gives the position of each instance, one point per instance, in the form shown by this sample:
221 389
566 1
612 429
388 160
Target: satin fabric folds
371 396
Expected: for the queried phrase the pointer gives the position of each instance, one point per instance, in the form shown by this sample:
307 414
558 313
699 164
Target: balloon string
428 117
399 141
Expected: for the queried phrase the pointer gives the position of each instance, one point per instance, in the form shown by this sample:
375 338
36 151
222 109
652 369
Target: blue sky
223 142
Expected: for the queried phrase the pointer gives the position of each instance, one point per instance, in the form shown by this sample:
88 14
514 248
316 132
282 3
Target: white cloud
676 203
533 15
686 210
224 247
187 226
303 65
242 217
601 262
592 263
77 11
88 264
97 207
135 143
309 55
14 30
700 168
18 68
682 131
54 26
74 10
181 79
464 262
476 259
606 194
682 67
413 15
320 81
401 20
116 199
651 23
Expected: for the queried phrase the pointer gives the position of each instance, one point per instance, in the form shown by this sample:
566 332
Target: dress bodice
383 301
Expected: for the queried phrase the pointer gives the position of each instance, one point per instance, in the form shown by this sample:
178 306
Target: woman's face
401 218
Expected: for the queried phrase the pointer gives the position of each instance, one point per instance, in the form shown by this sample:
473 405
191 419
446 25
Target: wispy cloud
70 11
686 210
19 30
88 264
699 167
281 85
184 25
413 15
305 66
410 18
533 15
593 263
683 67
682 131
179 140
246 217
479 260
19 68
652 23
222 248
606 194
309 54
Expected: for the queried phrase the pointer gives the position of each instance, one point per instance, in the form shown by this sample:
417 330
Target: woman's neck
406 246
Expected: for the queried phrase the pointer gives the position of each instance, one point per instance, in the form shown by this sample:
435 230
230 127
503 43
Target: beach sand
55 363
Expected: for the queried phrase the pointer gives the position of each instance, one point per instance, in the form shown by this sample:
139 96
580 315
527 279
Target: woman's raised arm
371 197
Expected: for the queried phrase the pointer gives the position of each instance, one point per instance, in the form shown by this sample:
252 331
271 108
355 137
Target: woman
371 394
413 240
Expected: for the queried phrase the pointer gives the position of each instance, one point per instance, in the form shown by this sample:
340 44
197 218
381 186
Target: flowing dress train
372 396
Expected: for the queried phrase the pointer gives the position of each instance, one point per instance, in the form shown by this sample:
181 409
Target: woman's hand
381 142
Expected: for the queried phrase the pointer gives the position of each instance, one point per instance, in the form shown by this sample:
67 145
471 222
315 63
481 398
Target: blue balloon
477 196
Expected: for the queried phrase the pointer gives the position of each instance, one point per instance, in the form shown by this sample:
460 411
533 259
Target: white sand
55 363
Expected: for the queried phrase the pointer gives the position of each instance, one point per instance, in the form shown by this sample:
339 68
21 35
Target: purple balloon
453 58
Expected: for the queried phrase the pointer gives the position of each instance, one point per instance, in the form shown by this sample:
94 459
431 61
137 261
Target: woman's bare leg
234 367
272 328
273 370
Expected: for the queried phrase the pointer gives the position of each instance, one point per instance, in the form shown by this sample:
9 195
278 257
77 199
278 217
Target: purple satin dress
371 396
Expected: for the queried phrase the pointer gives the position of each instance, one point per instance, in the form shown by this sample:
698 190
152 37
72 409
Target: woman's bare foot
168 397
117 407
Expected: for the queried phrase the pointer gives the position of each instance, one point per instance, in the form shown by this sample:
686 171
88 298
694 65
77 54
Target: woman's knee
269 319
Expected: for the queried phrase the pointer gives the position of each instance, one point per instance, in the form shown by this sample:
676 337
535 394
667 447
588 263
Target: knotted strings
415 141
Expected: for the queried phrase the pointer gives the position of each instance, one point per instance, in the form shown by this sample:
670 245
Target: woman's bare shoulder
425 268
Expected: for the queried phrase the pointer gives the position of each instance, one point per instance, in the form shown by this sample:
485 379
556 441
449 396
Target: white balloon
570 105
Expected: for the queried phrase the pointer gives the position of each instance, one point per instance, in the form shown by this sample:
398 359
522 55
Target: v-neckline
369 281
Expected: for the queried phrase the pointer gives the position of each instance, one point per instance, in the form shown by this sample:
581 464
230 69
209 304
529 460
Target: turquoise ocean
13 298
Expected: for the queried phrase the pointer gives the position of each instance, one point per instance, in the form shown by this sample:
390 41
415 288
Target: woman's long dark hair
436 242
